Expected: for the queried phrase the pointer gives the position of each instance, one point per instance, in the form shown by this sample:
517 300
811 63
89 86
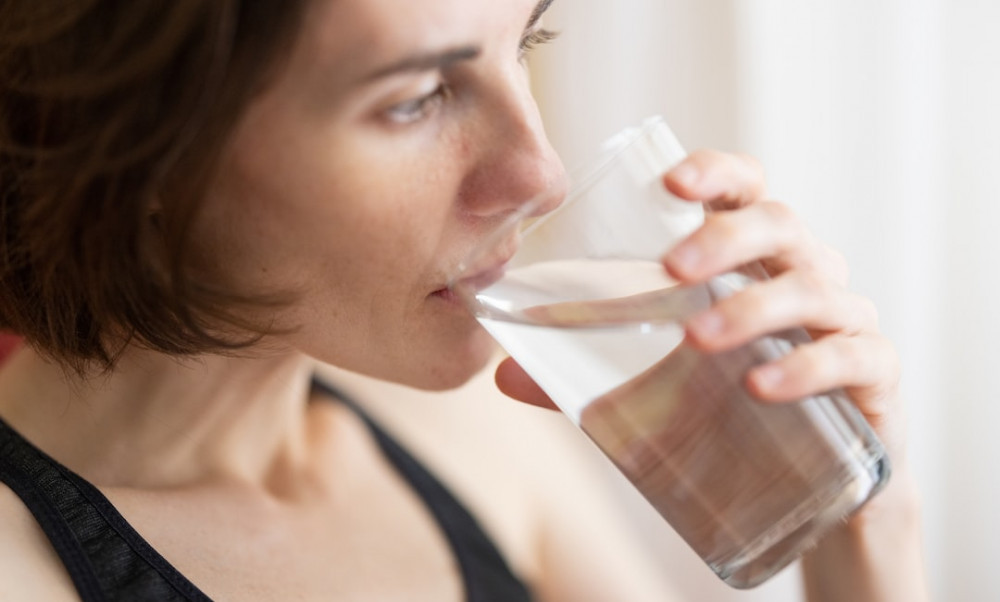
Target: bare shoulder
29 567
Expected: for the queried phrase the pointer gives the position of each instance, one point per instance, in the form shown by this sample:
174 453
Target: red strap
8 342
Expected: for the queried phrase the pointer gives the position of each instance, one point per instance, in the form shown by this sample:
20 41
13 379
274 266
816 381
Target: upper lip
483 278
484 272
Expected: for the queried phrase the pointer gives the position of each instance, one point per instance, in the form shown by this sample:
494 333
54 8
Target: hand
876 555
807 289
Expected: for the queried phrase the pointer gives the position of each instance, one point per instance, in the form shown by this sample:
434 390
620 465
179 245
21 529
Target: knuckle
785 218
833 362
839 267
779 211
815 285
753 167
861 313
750 162
706 157
868 312
816 366
893 364
722 225
749 304
852 358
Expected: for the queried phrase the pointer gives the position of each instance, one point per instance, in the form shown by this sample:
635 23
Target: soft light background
879 121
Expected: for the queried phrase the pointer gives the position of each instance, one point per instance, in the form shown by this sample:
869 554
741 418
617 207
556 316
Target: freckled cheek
412 227
376 214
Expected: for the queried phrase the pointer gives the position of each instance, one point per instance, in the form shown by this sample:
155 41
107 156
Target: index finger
721 180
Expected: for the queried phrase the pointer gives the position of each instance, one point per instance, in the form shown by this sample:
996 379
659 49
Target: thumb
514 382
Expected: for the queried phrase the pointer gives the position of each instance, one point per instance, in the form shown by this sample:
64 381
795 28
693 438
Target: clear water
749 486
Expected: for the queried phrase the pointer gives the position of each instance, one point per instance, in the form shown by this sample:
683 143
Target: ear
154 213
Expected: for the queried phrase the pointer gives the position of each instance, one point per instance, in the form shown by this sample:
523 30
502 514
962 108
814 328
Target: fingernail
685 174
685 257
707 324
768 378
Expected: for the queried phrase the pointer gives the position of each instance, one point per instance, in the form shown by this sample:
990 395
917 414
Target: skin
365 217
359 187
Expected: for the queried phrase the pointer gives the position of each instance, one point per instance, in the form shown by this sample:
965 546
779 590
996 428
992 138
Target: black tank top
108 560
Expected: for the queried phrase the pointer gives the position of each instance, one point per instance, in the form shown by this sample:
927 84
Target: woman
200 197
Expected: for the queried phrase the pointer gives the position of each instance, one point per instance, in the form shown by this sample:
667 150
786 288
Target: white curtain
879 121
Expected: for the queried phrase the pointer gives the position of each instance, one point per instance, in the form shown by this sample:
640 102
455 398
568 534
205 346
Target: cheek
363 231
287 218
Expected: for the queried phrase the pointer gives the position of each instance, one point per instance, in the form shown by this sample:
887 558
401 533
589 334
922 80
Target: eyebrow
429 61
432 61
536 14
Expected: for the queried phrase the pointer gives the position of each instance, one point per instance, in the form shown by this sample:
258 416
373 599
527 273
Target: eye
421 107
534 39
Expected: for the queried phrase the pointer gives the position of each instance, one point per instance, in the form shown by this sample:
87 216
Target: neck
158 421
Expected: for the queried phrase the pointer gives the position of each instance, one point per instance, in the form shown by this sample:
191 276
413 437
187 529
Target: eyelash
417 109
536 38
414 110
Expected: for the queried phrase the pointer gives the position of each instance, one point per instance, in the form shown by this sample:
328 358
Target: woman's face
396 136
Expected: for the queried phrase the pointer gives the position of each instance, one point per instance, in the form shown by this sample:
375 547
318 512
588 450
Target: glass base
762 560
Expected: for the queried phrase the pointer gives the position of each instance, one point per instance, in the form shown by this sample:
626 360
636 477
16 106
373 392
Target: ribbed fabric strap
108 561
60 533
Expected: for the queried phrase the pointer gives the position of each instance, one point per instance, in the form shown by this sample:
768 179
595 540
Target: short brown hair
113 114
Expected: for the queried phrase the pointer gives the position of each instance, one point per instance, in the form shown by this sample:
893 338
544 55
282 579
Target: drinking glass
582 302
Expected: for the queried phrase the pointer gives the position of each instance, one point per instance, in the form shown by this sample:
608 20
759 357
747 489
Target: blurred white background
878 122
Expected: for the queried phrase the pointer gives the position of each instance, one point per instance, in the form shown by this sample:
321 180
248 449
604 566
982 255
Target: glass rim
581 179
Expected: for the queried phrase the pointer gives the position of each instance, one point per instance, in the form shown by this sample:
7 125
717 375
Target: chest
371 537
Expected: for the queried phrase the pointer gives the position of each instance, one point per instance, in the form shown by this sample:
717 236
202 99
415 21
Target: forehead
343 44
370 31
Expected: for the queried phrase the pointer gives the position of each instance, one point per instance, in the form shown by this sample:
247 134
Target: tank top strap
108 560
105 558
486 574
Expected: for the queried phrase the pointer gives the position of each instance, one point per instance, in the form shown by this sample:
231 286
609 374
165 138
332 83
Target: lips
485 278
483 269
475 282
447 295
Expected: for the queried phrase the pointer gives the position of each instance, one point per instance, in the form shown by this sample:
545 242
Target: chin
438 355
455 367
440 362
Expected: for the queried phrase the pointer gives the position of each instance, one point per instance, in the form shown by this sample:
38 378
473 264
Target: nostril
550 198
516 168
500 185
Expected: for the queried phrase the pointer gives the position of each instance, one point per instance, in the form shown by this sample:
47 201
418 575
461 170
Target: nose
516 163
